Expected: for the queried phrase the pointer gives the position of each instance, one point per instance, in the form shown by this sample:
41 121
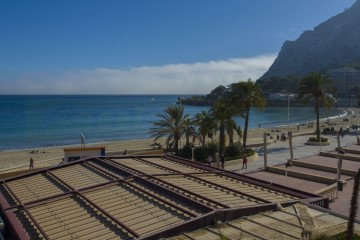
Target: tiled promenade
278 154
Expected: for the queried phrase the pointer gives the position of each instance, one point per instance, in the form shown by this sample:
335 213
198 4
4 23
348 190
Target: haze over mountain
332 44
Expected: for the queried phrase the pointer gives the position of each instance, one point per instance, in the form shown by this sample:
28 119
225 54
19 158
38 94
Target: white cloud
196 78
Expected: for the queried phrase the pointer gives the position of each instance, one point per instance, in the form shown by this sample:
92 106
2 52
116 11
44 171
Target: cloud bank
196 78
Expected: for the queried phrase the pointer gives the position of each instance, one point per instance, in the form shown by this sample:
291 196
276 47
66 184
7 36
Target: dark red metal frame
128 175
187 191
254 181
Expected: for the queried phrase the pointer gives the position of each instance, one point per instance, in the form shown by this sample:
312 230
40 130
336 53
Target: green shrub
233 158
249 153
186 152
314 139
201 154
234 149
212 149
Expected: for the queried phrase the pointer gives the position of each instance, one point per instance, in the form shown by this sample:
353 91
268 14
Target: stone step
351 157
353 151
302 175
347 172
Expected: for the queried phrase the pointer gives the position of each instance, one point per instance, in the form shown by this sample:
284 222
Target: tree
223 113
189 129
171 124
274 84
316 87
218 91
230 126
238 131
206 123
245 95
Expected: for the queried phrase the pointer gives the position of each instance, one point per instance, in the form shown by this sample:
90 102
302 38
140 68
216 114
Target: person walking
245 161
341 132
222 159
82 140
31 165
125 152
209 159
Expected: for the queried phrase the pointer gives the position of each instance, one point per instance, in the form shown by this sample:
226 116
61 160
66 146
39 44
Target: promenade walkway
312 172
278 152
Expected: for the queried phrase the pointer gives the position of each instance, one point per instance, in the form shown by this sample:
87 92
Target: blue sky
148 46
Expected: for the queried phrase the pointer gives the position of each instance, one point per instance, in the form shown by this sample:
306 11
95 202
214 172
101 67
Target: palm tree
238 131
230 126
189 129
171 124
246 95
206 123
223 113
314 87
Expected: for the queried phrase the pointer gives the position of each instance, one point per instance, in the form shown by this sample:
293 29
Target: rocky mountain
334 43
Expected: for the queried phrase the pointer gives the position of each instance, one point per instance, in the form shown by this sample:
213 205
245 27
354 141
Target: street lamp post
180 100
338 172
320 139
288 109
288 97
351 107
288 164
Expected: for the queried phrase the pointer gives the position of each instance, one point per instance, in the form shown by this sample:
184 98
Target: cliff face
334 43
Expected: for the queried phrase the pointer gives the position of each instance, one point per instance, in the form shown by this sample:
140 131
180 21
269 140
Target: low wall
323 168
301 175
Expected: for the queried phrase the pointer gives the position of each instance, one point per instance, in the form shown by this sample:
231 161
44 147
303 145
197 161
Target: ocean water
43 121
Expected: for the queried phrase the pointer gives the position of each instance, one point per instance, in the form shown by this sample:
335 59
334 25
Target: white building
282 97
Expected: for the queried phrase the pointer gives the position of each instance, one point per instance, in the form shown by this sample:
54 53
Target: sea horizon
40 121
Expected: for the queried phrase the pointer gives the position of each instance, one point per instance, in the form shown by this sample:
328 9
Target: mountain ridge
332 44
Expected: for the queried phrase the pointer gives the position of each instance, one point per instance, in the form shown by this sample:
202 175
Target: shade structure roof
133 197
285 223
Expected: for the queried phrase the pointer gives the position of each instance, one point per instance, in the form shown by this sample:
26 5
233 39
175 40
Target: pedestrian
125 152
31 166
342 132
82 140
222 159
245 161
259 125
209 159
298 127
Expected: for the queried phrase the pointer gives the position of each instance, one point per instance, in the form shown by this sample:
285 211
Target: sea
33 121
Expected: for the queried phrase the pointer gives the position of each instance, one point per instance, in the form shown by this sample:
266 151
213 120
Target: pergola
133 197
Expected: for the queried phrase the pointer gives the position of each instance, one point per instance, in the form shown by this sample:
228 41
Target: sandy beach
13 160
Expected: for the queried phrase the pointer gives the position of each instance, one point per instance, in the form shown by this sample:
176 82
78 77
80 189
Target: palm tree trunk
230 133
318 119
246 128
203 140
176 147
353 207
222 138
